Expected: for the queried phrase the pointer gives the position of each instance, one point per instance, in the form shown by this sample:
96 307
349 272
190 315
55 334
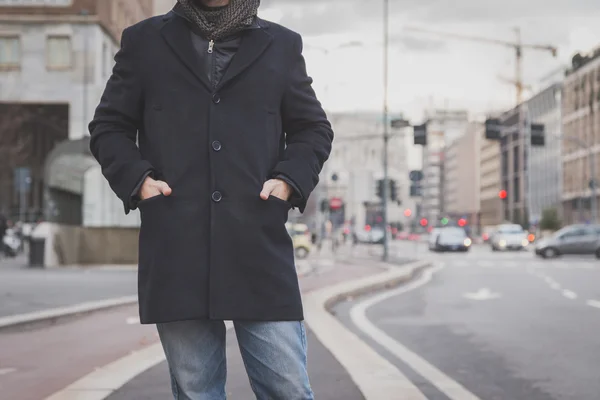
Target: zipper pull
211 44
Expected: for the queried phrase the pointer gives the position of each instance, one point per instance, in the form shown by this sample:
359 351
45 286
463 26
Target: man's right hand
151 188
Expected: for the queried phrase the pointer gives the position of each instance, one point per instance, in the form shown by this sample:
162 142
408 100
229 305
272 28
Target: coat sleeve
114 128
308 132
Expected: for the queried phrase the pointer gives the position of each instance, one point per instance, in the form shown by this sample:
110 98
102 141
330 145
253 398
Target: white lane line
104 381
569 294
451 388
593 303
555 286
6 371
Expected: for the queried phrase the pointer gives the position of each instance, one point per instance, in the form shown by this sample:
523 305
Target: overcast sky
432 70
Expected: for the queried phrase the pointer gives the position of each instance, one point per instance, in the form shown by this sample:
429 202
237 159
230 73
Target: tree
550 220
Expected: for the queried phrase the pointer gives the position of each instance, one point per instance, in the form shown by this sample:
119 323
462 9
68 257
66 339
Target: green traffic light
444 221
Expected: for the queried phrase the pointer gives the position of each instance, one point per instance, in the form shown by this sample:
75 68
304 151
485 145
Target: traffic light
424 222
444 221
393 190
493 129
537 135
462 222
407 212
502 194
420 134
379 188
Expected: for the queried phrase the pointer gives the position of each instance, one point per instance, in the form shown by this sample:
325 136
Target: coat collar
255 40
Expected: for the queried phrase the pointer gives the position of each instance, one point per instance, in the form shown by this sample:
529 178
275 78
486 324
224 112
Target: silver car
572 239
509 237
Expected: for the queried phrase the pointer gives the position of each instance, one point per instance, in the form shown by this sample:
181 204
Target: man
230 136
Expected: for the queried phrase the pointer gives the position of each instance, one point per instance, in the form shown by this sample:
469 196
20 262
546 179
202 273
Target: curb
61 312
374 375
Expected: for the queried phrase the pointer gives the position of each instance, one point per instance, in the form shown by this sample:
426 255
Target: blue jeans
274 355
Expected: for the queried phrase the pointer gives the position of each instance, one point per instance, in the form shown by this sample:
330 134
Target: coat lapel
178 36
254 43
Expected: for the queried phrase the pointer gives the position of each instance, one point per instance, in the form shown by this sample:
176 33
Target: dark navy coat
213 249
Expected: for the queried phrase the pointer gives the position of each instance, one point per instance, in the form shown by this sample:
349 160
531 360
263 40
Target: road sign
416 190
335 203
416 176
22 179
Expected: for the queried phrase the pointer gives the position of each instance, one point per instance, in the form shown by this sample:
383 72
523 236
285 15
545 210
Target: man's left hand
277 188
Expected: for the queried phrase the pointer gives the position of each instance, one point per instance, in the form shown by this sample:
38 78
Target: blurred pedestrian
3 226
231 136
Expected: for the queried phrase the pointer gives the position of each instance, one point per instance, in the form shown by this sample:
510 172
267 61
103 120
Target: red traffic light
502 194
407 212
424 222
462 222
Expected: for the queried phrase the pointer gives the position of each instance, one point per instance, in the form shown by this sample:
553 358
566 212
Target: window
10 52
58 52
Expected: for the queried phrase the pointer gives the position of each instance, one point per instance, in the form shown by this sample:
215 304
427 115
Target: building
462 177
545 177
443 127
55 59
490 165
356 163
581 129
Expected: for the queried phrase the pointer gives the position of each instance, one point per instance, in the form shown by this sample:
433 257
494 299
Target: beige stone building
581 121
490 164
55 59
461 175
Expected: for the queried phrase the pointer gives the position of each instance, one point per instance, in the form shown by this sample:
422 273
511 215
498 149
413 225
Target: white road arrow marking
6 371
593 303
482 294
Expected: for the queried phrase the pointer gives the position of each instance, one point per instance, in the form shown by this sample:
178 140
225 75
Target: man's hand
277 188
151 188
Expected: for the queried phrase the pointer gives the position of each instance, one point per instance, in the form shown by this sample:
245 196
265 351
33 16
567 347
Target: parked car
449 239
301 238
370 234
572 239
509 237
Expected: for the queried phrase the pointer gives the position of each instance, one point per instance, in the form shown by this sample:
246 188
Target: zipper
211 44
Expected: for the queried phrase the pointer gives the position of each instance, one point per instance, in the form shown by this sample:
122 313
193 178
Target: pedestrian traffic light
424 222
420 135
393 190
379 188
537 135
462 222
493 129
502 194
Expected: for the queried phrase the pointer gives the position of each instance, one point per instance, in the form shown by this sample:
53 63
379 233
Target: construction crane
518 46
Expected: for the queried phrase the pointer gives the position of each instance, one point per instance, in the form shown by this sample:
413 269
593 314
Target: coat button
216 98
216 145
217 196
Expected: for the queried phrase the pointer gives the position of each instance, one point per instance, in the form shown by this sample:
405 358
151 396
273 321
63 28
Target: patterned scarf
222 21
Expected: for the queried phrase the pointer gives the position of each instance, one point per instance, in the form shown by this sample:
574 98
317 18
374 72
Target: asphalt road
505 326
24 290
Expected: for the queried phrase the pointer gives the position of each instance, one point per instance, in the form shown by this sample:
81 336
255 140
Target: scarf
220 22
